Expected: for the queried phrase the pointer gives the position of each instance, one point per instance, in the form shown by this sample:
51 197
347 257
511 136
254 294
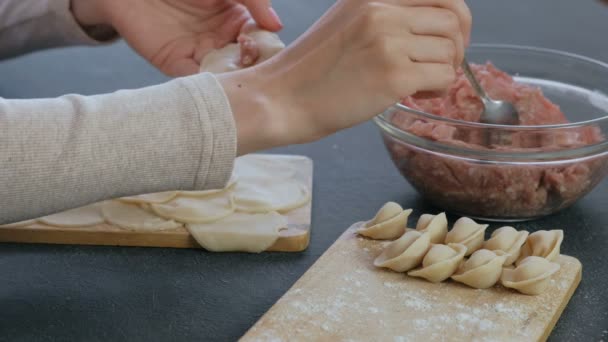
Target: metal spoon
494 112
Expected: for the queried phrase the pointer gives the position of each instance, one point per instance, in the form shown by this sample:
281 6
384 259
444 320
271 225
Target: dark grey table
79 293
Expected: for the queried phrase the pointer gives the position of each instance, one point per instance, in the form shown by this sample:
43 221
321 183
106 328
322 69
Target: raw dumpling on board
388 224
468 233
89 215
482 270
531 276
508 240
240 232
406 252
543 243
440 262
436 225
230 58
133 217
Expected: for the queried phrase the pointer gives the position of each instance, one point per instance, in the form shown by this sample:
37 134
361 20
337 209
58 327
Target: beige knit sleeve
29 25
61 153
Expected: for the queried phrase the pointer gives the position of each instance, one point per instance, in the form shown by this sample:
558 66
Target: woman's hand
356 61
174 35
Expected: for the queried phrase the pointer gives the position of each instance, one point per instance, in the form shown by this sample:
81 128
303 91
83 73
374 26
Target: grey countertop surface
94 293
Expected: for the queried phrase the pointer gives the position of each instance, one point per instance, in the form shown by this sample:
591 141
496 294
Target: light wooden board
343 297
293 239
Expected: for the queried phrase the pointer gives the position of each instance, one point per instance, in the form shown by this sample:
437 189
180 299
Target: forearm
29 25
62 153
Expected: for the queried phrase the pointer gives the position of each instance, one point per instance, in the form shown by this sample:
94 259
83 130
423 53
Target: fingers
431 49
263 14
458 7
439 22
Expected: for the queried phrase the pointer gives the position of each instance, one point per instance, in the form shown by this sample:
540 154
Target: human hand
174 35
359 59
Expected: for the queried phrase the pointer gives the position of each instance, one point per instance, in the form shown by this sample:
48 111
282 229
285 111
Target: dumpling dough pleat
196 209
531 276
157 197
18 224
508 240
482 270
406 252
436 225
89 215
468 233
543 243
388 224
440 262
132 217
262 196
239 232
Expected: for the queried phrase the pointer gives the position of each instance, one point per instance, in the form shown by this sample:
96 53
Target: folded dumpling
388 224
468 233
531 276
543 243
508 240
482 270
440 262
436 225
406 252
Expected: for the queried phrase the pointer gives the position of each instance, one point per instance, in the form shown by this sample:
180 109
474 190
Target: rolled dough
157 197
132 217
89 215
261 195
196 209
239 232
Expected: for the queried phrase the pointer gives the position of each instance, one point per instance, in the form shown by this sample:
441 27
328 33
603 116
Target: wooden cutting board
293 239
343 297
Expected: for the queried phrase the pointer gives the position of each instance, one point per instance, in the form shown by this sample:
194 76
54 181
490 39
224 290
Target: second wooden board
343 297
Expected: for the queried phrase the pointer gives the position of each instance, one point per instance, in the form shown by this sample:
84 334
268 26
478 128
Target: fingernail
275 16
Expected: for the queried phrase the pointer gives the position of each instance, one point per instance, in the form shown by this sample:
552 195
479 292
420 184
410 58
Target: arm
28 25
62 153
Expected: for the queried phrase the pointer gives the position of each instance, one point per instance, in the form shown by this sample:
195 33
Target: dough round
132 217
239 232
89 215
196 209
157 197
203 193
254 166
263 195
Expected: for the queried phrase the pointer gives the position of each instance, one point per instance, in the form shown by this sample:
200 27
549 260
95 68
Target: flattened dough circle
196 209
157 197
240 232
89 215
261 196
133 217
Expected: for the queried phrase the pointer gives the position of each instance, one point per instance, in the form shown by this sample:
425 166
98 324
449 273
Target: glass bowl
515 173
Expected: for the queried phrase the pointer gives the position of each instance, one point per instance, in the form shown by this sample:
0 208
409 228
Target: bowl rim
510 127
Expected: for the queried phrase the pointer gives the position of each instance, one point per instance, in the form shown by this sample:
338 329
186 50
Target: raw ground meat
496 191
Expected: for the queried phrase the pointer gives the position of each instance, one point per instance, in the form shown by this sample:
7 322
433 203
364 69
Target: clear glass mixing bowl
552 166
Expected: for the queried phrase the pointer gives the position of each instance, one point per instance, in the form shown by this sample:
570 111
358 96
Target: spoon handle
471 77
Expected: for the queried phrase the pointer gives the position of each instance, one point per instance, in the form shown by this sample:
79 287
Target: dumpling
406 252
543 243
440 262
436 225
388 224
468 233
508 240
531 276
482 270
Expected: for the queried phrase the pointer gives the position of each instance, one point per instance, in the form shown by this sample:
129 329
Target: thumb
263 13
